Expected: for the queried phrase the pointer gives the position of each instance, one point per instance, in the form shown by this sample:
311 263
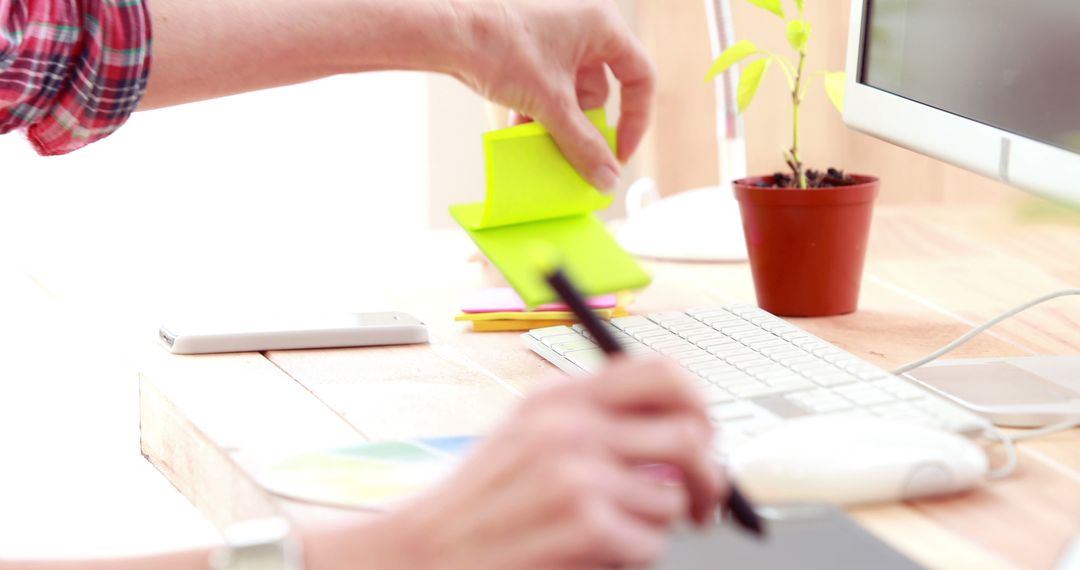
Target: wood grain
210 423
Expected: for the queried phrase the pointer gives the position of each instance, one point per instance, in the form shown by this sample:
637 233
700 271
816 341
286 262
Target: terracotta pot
807 247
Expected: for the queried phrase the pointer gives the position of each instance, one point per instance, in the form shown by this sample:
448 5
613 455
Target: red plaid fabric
71 71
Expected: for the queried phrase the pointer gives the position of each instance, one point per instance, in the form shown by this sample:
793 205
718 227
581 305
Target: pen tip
743 512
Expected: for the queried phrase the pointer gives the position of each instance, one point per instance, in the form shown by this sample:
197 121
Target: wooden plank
972 279
198 413
1027 518
396 392
924 540
926 281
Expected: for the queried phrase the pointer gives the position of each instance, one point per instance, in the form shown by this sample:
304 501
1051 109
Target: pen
737 504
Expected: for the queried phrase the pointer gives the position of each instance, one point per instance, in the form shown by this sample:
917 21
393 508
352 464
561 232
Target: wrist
378 542
474 42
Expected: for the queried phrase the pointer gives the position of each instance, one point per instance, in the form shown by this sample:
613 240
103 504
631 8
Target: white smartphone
256 333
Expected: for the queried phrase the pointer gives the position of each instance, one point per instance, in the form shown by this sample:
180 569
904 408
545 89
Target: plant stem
796 101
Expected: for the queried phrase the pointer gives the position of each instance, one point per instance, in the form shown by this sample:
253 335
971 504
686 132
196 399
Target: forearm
346 542
192 560
210 48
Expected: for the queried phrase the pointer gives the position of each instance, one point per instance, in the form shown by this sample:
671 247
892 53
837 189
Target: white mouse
847 461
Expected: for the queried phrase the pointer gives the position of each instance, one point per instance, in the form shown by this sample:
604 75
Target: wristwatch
259 544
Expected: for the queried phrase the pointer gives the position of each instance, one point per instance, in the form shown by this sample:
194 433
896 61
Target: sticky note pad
535 195
504 299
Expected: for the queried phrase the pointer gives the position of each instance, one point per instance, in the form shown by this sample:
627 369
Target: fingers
649 385
579 140
633 69
610 537
649 500
678 441
592 87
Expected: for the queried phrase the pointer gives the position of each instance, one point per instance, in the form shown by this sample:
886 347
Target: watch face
259 544
370 476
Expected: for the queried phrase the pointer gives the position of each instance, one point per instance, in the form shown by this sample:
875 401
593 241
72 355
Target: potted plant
806 230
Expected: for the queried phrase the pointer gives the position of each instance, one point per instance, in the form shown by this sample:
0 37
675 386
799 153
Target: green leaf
798 33
799 5
834 87
770 5
730 57
750 80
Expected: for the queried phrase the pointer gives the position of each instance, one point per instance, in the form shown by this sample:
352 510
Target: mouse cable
1011 459
981 329
1008 442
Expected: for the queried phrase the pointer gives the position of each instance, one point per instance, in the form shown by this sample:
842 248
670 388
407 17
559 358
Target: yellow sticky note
535 195
529 179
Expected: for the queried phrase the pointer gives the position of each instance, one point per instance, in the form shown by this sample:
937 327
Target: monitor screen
1010 64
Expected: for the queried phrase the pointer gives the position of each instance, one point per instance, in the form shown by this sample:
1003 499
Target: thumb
581 142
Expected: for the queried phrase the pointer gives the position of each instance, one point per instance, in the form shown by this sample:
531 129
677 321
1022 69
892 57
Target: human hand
546 59
560 485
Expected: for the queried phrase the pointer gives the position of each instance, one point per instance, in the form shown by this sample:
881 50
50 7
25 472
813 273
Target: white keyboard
756 370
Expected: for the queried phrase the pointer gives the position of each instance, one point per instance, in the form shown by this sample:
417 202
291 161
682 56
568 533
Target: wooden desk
209 422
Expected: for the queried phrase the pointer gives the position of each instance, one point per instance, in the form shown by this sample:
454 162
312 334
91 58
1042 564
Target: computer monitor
992 86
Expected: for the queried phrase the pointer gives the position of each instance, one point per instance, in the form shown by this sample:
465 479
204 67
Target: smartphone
257 333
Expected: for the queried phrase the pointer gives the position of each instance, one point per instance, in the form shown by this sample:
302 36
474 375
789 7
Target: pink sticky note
504 299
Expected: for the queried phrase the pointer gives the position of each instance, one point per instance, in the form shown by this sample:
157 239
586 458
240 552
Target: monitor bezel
1017 160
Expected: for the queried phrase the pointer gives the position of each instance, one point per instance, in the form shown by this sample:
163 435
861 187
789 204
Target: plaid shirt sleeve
71 71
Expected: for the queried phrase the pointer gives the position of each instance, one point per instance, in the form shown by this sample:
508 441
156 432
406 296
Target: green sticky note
535 196
528 178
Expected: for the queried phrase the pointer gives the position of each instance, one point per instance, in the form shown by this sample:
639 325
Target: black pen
737 504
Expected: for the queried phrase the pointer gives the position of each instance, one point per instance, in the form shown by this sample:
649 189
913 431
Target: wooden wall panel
681 149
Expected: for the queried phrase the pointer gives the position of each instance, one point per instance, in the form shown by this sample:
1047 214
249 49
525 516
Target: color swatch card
370 476
535 195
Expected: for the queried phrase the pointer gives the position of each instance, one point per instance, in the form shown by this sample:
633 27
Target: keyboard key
670 316
714 394
749 426
831 378
591 360
717 342
901 389
733 381
733 410
756 390
562 338
561 348
624 322
695 356
781 406
896 411
550 331
676 349
754 368
637 350
791 383
712 365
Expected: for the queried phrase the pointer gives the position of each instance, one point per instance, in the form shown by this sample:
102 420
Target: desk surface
209 422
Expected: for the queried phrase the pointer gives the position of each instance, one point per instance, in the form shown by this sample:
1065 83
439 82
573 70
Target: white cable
980 329
1046 430
1009 445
